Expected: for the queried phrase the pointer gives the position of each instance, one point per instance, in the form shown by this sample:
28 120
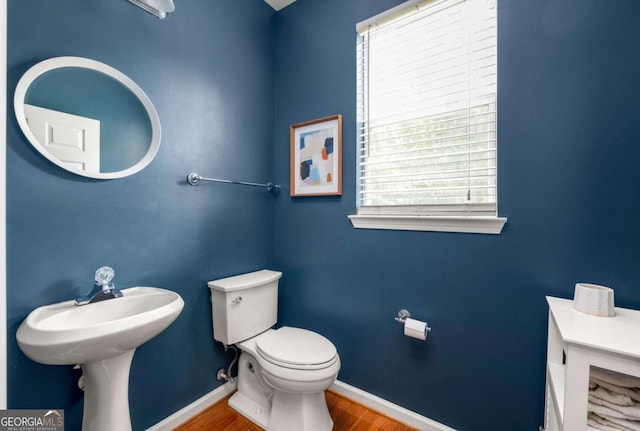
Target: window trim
459 224
449 218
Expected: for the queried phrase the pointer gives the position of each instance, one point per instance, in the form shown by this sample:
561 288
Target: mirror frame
80 62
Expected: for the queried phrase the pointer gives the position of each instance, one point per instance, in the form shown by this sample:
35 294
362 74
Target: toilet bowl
286 389
297 360
282 373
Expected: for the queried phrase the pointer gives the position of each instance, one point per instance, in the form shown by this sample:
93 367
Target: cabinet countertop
619 334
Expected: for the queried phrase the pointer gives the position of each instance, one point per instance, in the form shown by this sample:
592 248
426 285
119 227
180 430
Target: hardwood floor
347 416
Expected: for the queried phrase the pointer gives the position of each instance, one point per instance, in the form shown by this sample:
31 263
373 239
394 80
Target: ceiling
279 4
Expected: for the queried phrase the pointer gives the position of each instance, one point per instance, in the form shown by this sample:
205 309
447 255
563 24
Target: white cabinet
576 342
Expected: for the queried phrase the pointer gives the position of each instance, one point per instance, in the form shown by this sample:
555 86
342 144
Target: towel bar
194 179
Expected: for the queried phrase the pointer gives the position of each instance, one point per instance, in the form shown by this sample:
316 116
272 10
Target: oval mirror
87 117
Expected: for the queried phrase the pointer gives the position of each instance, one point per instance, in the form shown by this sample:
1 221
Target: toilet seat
296 348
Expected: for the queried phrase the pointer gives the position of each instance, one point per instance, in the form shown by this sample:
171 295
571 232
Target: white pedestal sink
102 338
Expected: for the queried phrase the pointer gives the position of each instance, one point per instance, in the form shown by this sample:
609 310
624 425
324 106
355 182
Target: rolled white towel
631 393
596 421
625 423
627 412
612 397
614 378
592 424
601 411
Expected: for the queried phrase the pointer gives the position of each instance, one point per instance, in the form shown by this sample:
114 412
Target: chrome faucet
102 289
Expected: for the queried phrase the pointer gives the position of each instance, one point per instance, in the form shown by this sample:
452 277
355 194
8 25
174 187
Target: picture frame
316 157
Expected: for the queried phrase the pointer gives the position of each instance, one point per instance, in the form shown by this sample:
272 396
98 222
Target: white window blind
427 110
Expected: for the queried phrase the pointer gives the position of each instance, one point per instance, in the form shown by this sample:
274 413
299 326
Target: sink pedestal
106 394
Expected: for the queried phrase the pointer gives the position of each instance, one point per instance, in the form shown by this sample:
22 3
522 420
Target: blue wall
569 100
209 69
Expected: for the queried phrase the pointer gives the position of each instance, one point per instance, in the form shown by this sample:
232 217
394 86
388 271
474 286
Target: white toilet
282 373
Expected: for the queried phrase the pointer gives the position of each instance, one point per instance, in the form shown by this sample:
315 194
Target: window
427 96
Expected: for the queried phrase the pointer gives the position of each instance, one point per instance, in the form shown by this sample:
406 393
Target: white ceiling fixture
279 4
159 8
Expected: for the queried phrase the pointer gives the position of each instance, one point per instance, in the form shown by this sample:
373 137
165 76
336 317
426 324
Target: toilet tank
244 305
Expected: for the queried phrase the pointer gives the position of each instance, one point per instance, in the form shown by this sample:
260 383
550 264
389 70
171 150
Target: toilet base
300 412
274 401
250 409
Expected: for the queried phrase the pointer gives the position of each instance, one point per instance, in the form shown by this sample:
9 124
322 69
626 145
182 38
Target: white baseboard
387 408
371 401
199 405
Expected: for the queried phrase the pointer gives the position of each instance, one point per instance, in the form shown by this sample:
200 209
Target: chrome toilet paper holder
403 315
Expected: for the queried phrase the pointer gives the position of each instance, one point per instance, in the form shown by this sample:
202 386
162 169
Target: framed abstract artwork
316 157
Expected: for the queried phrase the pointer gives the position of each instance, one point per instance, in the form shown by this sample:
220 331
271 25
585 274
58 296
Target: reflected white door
72 139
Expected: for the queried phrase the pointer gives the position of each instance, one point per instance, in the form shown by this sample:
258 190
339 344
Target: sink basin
67 334
102 338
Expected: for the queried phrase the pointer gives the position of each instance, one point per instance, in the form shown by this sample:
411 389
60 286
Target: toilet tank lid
244 281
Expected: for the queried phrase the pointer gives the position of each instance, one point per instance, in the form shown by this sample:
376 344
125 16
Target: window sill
487 225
